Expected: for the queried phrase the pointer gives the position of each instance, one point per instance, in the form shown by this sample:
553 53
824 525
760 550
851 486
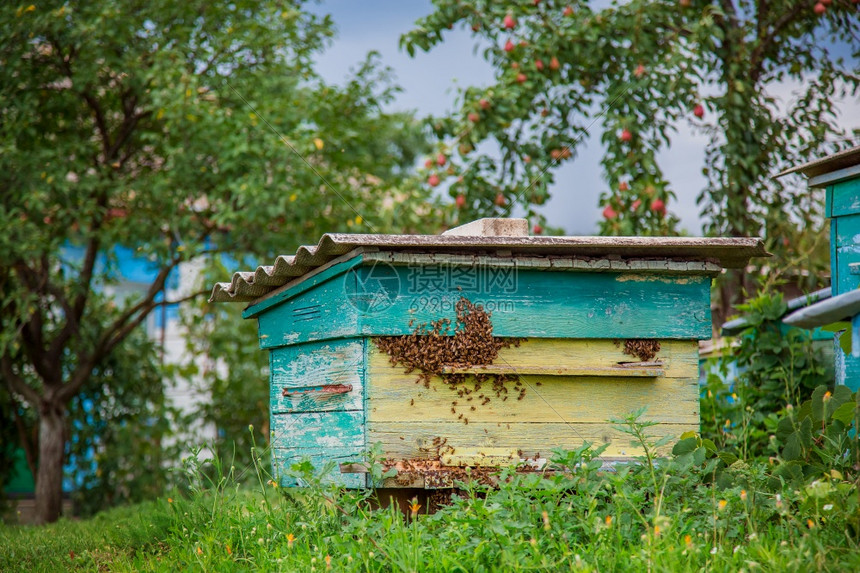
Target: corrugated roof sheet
249 286
840 160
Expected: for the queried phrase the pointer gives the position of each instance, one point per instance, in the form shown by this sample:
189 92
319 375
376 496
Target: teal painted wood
321 437
828 201
283 460
834 270
305 285
559 304
847 230
320 313
842 279
312 366
846 198
541 304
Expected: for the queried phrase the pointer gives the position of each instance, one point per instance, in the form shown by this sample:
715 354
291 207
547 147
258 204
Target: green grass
688 513
525 525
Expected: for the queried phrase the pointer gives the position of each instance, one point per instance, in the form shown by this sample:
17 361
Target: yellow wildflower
722 504
290 539
545 517
414 507
608 520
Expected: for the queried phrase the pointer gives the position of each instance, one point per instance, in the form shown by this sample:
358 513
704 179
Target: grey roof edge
826 164
732 327
842 307
730 252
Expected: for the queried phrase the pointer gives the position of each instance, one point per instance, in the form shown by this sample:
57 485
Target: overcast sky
429 82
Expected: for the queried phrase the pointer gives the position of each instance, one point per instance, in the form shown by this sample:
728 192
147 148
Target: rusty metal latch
323 390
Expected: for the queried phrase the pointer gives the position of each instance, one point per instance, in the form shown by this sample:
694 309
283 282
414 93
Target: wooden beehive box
839 175
577 303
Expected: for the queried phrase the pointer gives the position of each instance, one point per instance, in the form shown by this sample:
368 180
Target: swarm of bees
432 347
645 349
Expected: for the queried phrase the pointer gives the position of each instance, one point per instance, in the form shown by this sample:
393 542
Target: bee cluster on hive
645 349
433 347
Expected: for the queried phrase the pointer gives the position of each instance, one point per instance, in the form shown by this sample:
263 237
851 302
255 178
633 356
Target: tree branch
15 383
115 333
766 41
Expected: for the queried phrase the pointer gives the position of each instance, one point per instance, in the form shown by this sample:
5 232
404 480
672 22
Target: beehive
839 175
605 325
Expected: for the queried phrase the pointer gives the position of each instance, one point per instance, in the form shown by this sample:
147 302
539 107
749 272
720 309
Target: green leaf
685 446
845 412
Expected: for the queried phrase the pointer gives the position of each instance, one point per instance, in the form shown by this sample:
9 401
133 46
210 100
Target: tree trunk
49 481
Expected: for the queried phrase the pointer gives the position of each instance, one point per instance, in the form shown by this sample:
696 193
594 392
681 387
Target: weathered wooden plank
846 198
550 263
283 460
680 358
844 280
317 364
394 395
320 437
303 283
320 313
646 371
847 231
415 440
546 399
322 431
553 304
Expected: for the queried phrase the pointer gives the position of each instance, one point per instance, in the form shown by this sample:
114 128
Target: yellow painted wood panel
681 357
411 440
554 412
394 396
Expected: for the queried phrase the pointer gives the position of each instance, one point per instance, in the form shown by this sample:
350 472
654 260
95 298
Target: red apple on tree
820 8
639 71
474 117
553 63
460 201
500 200
521 78
537 229
636 204
609 212
539 65
441 159
433 180
509 22
483 103
568 11
428 164
658 206
626 135
699 111
509 46
623 186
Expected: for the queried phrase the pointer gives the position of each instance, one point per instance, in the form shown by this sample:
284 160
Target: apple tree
636 71
177 130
